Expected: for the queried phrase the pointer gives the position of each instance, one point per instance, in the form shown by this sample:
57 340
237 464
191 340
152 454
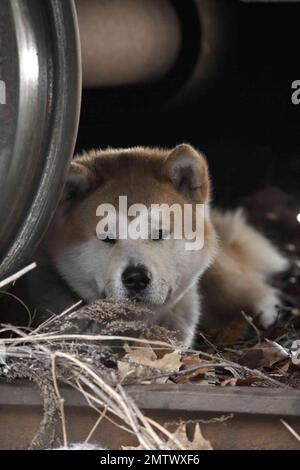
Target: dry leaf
198 442
139 359
252 358
229 382
274 352
249 381
144 355
264 355
124 369
170 362
285 367
191 362
196 375
229 334
160 352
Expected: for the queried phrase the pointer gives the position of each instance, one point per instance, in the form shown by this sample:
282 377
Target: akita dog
227 274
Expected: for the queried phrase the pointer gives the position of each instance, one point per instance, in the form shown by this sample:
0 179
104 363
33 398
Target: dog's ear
187 169
80 180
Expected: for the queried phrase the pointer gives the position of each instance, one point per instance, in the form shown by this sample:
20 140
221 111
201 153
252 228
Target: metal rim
39 119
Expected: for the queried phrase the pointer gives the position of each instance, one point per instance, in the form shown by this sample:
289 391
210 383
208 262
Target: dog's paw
268 308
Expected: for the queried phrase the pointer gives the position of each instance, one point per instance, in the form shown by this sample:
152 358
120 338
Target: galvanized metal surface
40 66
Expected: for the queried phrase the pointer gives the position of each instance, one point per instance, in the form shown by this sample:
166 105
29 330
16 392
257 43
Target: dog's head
103 251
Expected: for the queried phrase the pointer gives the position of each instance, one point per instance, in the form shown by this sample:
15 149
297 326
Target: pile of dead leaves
266 364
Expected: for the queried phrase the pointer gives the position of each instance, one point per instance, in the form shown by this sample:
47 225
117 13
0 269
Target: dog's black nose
136 278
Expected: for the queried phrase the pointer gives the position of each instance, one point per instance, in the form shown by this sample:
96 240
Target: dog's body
234 262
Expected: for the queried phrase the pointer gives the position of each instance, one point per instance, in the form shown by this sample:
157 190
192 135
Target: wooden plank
18 425
247 400
185 397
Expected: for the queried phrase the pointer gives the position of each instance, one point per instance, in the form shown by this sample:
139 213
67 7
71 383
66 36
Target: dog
183 287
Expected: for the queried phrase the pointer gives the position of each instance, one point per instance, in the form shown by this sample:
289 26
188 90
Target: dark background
244 119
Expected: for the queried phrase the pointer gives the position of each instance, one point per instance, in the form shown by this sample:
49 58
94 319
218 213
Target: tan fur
238 279
138 172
